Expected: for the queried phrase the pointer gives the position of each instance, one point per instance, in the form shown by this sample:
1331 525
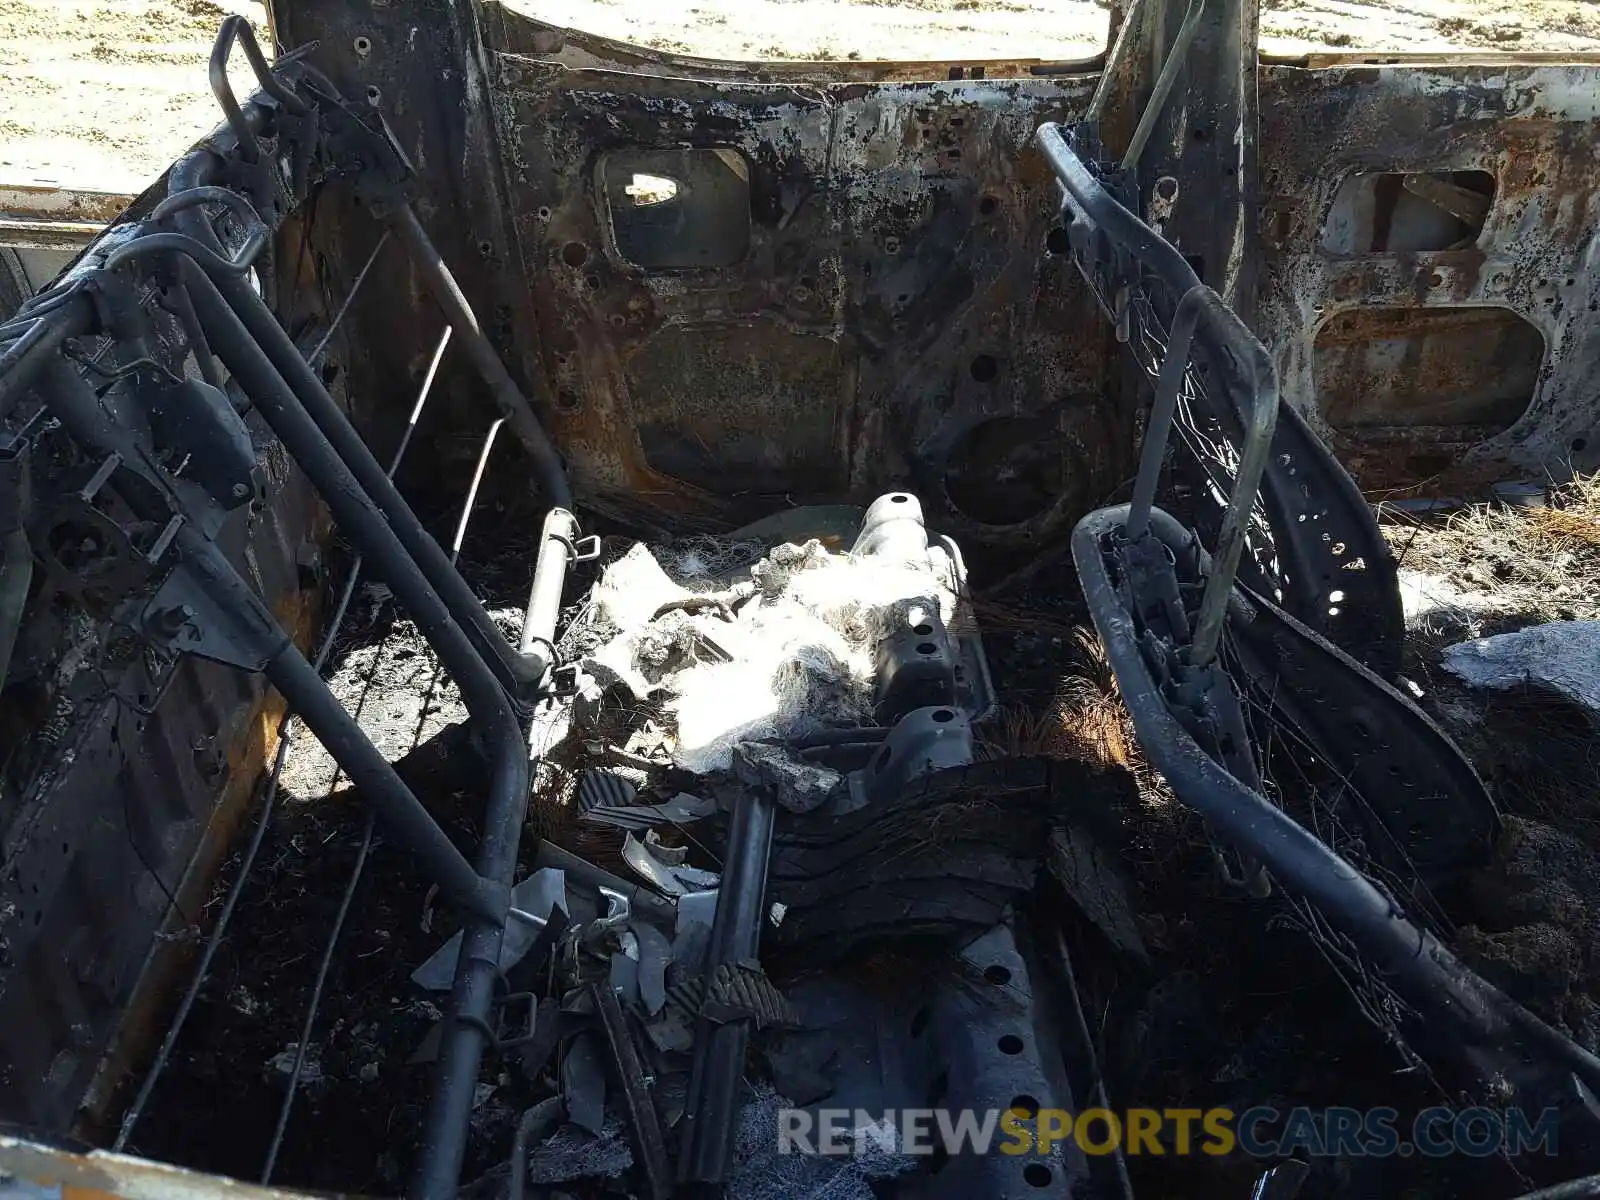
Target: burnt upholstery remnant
828 700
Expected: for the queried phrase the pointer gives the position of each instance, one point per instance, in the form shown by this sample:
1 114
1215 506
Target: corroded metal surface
39 217
895 313
36 1171
1530 126
896 316
40 202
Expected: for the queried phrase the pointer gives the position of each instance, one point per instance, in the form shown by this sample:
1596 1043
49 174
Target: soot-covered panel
699 395
1504 156
881 290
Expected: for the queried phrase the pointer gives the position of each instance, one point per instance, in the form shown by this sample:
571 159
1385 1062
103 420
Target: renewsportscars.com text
1263 1132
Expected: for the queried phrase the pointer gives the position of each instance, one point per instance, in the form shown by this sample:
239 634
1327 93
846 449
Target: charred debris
700 820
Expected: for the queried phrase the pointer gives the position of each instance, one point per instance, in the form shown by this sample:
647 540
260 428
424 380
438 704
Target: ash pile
781 869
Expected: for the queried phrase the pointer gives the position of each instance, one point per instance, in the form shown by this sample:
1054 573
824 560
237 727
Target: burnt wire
1374 997
315 1003
1349 844
1204 439
472 496
302 1045
1384 1009
118 373
285 737
355 288
136 1109
305 251
246 865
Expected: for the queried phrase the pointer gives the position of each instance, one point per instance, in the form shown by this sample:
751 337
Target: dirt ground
1052 29
103 94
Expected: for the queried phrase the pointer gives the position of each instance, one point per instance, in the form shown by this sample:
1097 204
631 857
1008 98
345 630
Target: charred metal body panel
892 314
883 300
1512 305
143 776
888 294
122 780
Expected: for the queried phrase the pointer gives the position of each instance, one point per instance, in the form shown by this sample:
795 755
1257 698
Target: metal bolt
172 620
241 490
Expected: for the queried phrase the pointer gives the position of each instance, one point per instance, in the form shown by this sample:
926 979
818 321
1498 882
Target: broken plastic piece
583 1083
651 869
671 856
541 894
581 872
655 952
680 810
603 789
668 879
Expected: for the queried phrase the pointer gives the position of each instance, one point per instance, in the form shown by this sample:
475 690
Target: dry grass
1522 565
1576 529
552 810
994 615
1086 722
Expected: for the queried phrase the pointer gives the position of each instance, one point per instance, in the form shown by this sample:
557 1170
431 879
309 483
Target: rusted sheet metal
1380 368
44 217
22 234
46 202
1531 127
1431 58
895 316
35 1171
422 64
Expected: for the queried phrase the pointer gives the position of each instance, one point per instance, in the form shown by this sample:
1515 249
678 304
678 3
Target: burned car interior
561 601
